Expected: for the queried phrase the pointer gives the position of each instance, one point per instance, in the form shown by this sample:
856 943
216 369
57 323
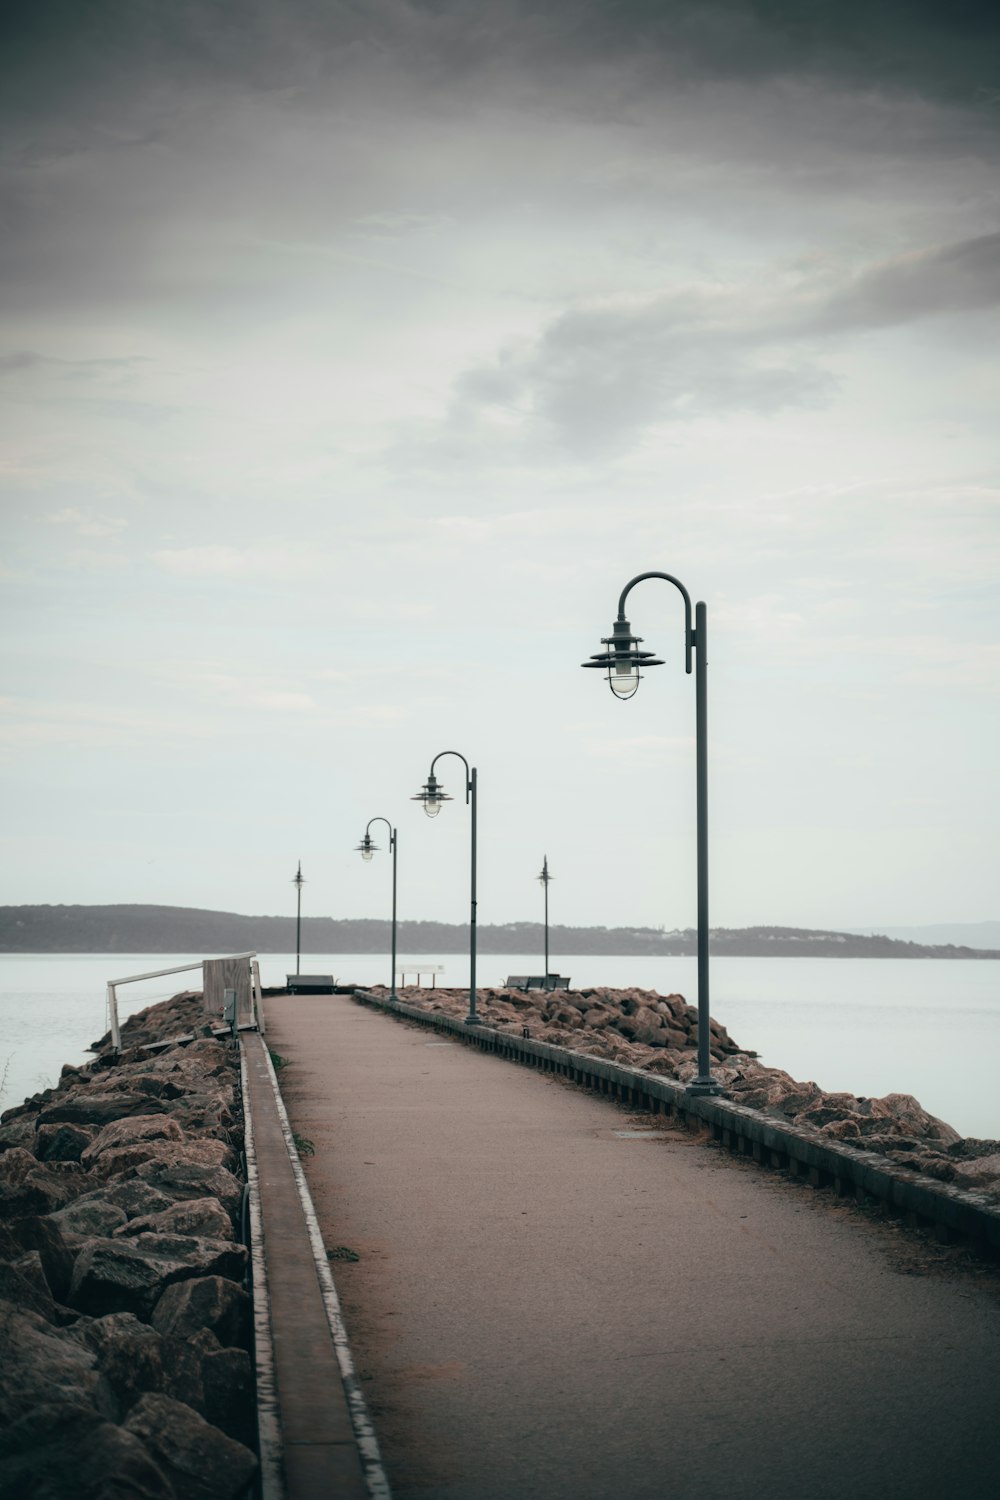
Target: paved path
549 1309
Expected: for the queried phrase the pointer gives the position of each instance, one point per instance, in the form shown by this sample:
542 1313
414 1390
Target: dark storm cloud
67 49
942 50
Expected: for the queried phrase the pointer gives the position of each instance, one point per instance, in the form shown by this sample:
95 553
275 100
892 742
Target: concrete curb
272 1486
803 1152
364 1429
315 1431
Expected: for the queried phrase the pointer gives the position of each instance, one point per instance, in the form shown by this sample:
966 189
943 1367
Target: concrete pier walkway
553 1298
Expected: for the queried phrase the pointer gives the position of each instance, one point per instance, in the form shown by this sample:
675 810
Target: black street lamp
298 883
432 796
622 661
366 849
545 877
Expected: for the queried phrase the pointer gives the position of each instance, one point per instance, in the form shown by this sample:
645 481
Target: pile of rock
659 1033
636 1027
124 1319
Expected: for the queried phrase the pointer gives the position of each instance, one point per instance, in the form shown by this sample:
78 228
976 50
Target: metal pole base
704 1086
472 1020
394 998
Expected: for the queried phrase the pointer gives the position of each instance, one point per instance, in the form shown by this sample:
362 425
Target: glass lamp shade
622 658
432 795
623 677
367 853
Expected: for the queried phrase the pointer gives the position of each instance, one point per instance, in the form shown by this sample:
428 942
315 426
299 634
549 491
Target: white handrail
112 992
180 969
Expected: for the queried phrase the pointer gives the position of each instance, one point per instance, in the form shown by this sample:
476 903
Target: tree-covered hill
182 929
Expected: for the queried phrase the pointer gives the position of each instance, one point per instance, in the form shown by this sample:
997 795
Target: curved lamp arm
392 831
465 763
690 639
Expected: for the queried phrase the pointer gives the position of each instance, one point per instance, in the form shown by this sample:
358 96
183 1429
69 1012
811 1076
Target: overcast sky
355 355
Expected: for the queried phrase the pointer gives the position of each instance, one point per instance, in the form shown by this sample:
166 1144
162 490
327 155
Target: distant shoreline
176 929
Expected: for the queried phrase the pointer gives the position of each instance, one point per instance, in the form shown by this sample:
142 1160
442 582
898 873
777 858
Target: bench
537 982
418 969
311 984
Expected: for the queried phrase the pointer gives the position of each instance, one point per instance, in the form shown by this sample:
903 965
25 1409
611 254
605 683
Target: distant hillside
962 934
182 929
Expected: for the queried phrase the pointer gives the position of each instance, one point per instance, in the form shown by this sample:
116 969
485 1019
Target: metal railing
112 990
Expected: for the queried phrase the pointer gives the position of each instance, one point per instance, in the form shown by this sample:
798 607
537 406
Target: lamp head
432 795
366 848
545 877
622 659
298 878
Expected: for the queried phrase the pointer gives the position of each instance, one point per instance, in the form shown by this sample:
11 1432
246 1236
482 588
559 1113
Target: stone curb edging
268 1431
803 1152
364 1430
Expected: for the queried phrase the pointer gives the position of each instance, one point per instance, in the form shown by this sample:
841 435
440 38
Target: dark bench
537 982
311 984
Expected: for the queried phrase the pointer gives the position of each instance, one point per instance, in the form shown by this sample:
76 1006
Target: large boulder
118 1276
44 1236
205 1257
211 1302
18 1132
43 1189
98 1105
203 1217
41 1364
914 1119
192 1180
983 1171
62 1142
132 1195
130 1275
66 1450
187 1151
129 1132
15 1164
200 1461
228 1394
128 1353
89 1216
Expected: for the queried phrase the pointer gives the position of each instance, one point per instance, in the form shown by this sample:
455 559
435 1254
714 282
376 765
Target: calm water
871 1026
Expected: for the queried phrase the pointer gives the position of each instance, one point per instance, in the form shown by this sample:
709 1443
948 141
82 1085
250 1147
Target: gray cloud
598 376
61 46
147 144
963 277
21 361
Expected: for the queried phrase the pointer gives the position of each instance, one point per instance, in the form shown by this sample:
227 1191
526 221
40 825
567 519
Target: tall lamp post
432 796
545 877
366 849
298 883
622 661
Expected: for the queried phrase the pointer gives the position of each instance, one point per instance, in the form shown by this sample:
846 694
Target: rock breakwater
124 1316
659 1033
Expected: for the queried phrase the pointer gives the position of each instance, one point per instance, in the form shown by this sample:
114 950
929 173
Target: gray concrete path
547 1305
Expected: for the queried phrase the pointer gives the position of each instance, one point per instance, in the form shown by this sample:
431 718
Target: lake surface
871 1026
